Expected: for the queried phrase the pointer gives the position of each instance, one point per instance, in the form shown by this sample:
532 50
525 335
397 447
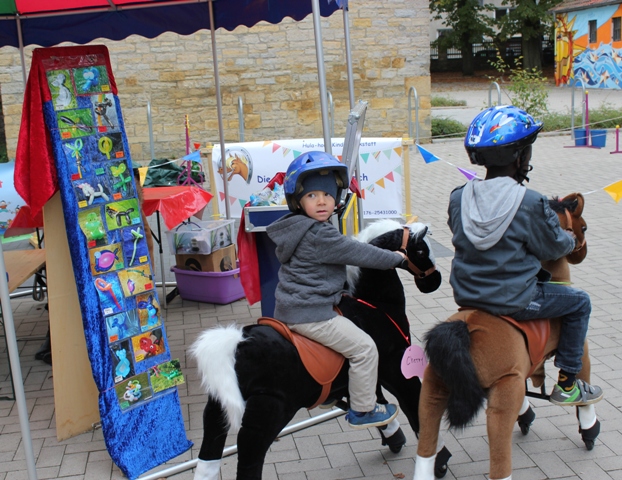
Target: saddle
322 363
535 333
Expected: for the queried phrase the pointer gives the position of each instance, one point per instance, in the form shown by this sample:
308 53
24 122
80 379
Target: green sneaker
581 394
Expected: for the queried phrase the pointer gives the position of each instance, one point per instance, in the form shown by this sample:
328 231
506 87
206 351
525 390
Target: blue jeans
573 306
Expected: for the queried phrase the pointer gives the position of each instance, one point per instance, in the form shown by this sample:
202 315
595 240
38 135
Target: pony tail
219 378
447 346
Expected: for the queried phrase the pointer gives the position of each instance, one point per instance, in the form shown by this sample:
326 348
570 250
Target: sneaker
379 416
581 394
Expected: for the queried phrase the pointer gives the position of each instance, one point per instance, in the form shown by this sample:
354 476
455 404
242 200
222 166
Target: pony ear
420 234
580 202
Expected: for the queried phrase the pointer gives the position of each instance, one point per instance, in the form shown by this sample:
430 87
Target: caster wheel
588 436
440 464
526 420
395 442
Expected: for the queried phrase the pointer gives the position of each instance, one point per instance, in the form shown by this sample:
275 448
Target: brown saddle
322 363
535 332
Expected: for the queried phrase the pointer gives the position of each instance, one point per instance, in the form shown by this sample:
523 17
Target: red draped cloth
247 252
35 172
175 204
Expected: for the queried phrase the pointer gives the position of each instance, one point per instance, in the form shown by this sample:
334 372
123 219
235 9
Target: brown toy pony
476 356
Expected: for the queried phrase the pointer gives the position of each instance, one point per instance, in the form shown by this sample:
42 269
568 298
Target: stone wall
273 68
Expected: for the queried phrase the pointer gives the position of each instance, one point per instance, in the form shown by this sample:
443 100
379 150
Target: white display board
251 165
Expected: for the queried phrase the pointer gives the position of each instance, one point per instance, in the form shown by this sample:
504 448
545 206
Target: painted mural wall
597 64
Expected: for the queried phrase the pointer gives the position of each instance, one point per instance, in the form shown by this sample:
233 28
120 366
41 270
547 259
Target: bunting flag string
429 157
287 152
613 189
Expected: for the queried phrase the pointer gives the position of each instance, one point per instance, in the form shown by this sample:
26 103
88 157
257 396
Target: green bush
447 102
527 88
447 128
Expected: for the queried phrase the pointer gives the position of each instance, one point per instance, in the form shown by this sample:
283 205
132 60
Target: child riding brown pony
475 356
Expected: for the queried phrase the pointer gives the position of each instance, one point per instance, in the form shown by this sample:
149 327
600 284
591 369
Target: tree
469 24
530 18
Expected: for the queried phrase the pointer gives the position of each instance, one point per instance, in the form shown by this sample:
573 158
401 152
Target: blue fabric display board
125 335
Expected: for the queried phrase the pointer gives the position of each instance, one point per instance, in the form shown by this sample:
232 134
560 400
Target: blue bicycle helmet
310 162
499 135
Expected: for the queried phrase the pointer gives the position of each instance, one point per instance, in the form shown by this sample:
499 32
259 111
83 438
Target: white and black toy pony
256 379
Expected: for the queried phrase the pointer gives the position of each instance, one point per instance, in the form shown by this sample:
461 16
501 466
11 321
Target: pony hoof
440 464
395 442
526 420
588 436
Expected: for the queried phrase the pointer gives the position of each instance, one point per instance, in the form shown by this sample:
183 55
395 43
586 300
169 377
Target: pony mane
372 231
559 205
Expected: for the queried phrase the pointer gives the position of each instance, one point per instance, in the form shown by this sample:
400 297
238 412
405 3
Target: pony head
391 235
569 211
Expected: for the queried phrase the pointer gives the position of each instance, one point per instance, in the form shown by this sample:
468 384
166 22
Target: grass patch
447 128
603 117
447 102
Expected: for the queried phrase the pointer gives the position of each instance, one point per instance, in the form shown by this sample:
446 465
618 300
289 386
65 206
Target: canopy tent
49 22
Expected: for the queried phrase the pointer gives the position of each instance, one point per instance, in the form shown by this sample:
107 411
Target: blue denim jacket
502 279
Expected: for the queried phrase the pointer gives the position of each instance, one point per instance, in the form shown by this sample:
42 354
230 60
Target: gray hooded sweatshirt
313 258
501 233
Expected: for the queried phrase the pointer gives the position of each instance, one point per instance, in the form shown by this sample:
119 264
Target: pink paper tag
414 362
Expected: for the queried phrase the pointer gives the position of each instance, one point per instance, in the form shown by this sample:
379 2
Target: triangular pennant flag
389 176
354 186
196 146
221 195
387 153
296 153
615 190
376 155
275 147
286 151
232 200
193 156
242 203
428 157
398 170
365 157
380 183
398 150
363 194
467 173
142 172
266 142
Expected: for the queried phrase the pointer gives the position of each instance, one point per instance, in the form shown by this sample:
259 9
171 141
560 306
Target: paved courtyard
331 450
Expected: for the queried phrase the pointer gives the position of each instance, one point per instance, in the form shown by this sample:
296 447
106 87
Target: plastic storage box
209 287
200 237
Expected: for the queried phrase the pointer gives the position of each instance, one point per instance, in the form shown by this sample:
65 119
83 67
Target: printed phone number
381 212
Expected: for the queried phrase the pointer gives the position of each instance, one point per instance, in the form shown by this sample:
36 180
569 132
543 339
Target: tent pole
221 134
16 371
346 34
20 41
150 125
357 167
321 75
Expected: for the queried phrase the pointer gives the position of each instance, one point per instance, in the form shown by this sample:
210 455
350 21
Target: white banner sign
251 165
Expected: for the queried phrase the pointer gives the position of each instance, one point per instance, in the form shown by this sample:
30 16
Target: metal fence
513 48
